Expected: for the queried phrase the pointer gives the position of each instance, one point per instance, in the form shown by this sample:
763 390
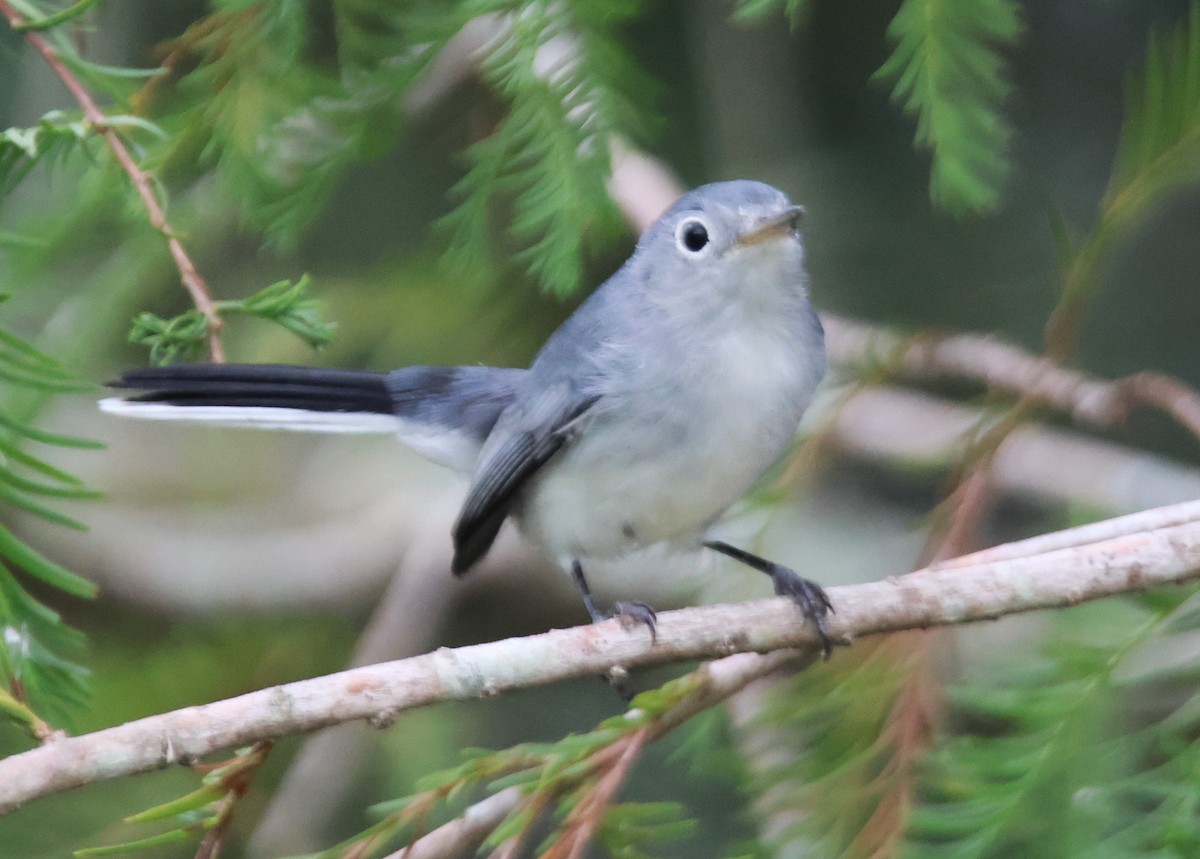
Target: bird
643 418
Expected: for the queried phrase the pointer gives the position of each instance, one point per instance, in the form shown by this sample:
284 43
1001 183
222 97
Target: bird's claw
638 612
811 598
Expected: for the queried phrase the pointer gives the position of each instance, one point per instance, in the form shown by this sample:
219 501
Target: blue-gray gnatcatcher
649 412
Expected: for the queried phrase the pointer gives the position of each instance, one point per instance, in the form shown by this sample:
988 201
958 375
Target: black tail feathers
273 385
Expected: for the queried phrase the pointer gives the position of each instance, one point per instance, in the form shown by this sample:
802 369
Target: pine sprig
235 82
281 130
34 640
568 784
49 142
204 813
754 11
1159 152
1040 767
182 337
62 16
948 72
1157 157
563 76
844 745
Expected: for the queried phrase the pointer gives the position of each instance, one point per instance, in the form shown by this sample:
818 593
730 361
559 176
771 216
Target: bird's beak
772 227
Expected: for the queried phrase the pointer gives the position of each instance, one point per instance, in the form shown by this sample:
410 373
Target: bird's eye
693 236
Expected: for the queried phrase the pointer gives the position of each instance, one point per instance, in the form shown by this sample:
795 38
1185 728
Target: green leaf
194 801
173 837
566 82
947 71
60 17
16 454
75 492
249 108
18 712
35 434
28 631
43 382
9 494
1041 765
1159 151
286 304
56 135
754 11
170 340
42 567
183 337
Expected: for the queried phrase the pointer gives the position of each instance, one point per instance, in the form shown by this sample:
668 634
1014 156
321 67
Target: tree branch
891 425
189 275
716 682
1005 367
1125 563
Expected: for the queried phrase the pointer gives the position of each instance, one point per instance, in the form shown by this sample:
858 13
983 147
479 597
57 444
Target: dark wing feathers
528 441
491 496
488 504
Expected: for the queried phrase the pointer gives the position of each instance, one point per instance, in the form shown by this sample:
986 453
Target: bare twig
1166 394
1167 554
893 425
1122 526
1002 366
189 275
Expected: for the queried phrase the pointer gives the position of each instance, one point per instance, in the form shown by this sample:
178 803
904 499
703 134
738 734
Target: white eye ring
693 237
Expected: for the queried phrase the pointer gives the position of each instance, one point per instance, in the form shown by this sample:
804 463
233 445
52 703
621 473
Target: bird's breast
666 453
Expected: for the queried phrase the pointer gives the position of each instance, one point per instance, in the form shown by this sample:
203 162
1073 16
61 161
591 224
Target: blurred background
232 560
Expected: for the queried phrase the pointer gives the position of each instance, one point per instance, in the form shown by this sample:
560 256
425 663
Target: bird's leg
806 594
617 677
636 611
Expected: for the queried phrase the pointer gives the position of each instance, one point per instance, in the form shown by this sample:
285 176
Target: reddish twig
1039 380
189 275
909 731
581 823
1166 394
244 768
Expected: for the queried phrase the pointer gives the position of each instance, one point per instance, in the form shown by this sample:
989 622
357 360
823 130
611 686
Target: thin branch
716 681
891 425
1132 562
581 823
467 831
189 275
1001 366
1108 529
1167 394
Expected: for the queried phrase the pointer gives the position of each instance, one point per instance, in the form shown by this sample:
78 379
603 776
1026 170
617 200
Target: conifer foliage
1085 751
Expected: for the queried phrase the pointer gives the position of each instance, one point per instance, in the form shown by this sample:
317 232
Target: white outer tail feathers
256 417
443 445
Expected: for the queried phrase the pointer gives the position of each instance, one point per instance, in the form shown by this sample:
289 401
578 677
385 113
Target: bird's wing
525 438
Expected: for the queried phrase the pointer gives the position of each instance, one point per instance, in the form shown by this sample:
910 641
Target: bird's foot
637 612
811 598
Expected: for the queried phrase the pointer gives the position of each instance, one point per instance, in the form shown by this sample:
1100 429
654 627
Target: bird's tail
271 396
443 413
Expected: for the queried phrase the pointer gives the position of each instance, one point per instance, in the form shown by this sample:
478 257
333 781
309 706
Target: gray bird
649 412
